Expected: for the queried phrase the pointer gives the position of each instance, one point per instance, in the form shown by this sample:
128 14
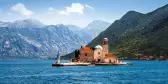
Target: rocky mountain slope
29 39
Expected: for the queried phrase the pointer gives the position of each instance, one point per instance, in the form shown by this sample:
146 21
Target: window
98 52
86 54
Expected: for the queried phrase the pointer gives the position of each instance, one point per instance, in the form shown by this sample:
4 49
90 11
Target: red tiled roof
110 55
86 49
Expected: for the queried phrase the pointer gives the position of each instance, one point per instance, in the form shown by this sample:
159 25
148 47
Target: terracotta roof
110 55
85 48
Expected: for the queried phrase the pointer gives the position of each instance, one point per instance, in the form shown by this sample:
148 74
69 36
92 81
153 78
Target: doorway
109 61
98 60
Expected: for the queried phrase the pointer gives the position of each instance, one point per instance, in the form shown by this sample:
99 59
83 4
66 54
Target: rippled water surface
41 72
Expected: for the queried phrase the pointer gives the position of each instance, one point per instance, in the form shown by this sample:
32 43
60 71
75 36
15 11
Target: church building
99 54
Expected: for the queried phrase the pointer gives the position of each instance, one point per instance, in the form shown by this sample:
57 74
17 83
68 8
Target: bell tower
105 46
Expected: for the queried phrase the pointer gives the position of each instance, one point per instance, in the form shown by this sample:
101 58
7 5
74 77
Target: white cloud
20 8
75 8
51 9
89 6
72 14
63 13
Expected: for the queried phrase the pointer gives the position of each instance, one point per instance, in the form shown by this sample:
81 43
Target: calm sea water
41 72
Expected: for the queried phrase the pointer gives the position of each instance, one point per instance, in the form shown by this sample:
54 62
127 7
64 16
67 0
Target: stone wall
86 56
98 55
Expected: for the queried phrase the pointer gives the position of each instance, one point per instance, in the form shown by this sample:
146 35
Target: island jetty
87 56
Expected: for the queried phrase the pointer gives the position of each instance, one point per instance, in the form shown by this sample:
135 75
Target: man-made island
99 55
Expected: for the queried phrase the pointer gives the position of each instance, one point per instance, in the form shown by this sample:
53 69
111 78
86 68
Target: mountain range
96 27
89 32
137 34
30 39
27 23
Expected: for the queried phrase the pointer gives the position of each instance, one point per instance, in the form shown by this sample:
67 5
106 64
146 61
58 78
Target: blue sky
77 12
